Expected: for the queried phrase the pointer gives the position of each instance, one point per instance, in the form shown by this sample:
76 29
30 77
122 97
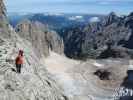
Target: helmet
21 51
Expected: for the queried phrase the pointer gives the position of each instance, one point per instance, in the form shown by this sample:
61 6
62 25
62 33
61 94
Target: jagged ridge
93 39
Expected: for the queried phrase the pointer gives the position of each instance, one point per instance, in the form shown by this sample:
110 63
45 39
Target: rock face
2 9
4 25
129 23
41 37
93 39
34 82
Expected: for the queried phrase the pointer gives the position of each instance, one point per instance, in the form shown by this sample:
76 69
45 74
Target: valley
66 56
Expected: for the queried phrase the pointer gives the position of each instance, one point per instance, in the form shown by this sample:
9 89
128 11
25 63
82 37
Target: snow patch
75 17
97 64
94 19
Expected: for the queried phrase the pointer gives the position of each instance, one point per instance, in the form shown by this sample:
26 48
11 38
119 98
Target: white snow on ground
98 65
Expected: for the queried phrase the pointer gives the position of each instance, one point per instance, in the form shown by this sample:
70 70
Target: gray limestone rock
41 37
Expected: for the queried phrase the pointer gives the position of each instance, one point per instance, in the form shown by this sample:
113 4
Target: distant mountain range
87 36
110 37
55 21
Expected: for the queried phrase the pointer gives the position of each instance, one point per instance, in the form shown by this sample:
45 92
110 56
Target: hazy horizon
68 6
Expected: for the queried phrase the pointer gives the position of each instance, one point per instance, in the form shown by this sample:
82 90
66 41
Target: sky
70 6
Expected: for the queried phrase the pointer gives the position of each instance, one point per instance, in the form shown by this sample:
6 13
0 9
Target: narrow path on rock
34 82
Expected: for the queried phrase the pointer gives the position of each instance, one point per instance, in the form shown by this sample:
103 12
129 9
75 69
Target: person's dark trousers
18 67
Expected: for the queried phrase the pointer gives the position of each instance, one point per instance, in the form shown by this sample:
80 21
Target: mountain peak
112 14
111 18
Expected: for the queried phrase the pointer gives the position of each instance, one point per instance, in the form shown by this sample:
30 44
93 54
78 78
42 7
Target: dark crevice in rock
8 86
65 97
108 53
49 83
103 74
1 42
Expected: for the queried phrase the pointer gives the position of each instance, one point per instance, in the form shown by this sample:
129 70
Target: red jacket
19 59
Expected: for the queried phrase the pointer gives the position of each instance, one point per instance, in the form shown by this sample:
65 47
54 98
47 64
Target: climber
19 61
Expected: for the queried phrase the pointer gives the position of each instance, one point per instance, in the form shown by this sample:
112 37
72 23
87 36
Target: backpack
17 60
